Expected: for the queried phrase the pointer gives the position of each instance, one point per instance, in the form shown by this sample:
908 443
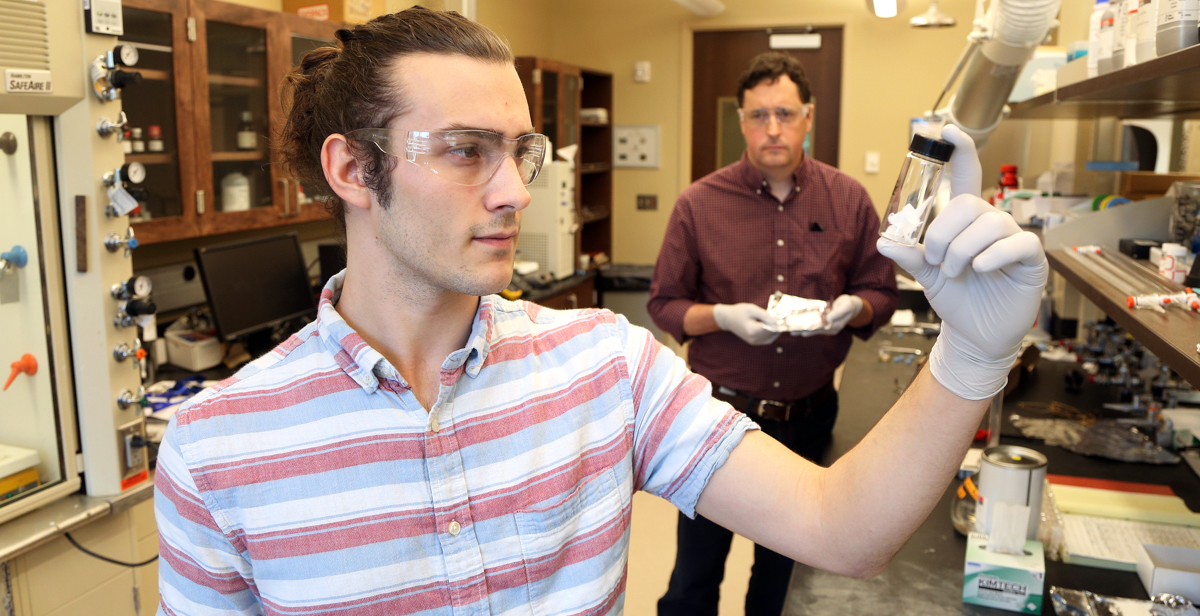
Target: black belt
774 410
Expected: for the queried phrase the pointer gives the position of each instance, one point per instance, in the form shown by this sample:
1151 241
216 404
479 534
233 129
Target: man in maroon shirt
774 221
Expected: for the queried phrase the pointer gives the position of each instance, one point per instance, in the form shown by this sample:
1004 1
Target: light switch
872 162
641 72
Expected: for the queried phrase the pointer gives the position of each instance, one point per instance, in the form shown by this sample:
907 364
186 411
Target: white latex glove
841 311
983 276
746 321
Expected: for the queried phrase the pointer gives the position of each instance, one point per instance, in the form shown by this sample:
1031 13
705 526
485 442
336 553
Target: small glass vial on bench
916 189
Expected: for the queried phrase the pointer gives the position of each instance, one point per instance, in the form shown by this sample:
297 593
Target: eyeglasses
465 157
786 116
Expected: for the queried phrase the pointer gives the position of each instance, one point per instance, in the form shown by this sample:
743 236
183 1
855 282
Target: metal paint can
1014 475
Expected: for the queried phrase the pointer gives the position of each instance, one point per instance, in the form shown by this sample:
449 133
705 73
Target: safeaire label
27 82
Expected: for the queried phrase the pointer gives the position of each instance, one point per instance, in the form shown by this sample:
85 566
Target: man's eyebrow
461 126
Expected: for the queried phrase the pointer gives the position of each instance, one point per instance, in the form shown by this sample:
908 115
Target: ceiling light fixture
886 8
933 18
704 8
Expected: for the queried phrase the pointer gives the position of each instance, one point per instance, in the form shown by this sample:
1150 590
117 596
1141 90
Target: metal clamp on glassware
107 78
916 189
114 242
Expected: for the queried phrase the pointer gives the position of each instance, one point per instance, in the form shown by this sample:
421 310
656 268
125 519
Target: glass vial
155 143
916 188
247 138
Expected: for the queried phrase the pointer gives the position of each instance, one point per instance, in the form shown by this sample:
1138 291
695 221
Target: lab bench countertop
926 576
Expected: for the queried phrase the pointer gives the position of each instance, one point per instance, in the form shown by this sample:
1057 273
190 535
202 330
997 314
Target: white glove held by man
982 275
746 320
841 311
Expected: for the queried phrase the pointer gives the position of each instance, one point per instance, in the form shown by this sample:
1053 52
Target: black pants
702 545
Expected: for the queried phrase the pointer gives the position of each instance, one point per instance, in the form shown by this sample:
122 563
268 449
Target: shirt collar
365 365
754 179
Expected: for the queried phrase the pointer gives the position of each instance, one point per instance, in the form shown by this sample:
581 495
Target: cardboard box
347 11
193 350
1012 582
1170 569
1074 71
1138 185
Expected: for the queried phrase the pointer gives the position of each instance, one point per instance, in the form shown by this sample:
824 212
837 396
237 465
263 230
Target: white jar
1173 264
235 192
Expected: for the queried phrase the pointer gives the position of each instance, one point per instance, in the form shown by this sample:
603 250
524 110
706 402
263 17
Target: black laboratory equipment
258 290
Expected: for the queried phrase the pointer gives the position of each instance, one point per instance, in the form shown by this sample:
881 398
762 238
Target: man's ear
343 172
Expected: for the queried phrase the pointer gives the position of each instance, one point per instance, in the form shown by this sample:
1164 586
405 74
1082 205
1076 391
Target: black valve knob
120 79
140 307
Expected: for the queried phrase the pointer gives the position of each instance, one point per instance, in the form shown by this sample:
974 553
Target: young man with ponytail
426 447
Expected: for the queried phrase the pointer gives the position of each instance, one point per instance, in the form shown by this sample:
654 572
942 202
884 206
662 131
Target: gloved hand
841 311
746 320
983 276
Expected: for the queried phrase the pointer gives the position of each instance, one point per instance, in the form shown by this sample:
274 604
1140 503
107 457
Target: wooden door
163 102
720 57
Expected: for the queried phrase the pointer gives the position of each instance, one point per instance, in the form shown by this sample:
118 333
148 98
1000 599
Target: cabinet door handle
287 206
199 202
574 301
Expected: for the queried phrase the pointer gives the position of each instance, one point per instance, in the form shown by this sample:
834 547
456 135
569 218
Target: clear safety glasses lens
786 116
465 157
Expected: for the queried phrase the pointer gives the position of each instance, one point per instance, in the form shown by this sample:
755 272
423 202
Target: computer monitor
254 285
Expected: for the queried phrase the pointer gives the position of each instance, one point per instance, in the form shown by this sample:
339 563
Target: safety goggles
465 157
785 116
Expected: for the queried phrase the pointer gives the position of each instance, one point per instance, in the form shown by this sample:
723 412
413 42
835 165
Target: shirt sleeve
676 283
200 571
681 434
873 277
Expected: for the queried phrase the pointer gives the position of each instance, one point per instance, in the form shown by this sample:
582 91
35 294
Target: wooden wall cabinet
211 75
556 92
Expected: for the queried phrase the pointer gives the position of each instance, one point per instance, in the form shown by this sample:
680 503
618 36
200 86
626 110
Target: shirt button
779 278
454 527
797 189
434 426
778 349
779 242
775 384
781 208
759 191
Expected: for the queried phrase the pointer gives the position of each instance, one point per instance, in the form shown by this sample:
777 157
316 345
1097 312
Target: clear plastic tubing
1177 25
916 189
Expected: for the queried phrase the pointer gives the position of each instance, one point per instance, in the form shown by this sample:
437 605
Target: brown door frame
826 128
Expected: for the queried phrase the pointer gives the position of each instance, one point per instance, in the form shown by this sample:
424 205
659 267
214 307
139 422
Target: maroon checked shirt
729 240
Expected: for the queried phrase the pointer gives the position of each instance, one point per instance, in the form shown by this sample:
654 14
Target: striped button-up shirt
313 481
730 240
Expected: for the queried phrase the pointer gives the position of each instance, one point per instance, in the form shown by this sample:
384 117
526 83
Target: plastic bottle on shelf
1144 30
136 142
1130 44
235 192
155 142
1177 26
247 137
1093 57
1108 31
127 142
1120 31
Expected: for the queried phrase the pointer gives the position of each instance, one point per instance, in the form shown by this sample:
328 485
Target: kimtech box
1005 581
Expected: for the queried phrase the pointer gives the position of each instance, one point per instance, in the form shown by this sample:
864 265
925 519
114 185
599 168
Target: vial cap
931 148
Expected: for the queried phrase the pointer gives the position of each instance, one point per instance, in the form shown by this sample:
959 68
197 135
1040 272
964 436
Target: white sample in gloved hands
982 275
746 321
841 311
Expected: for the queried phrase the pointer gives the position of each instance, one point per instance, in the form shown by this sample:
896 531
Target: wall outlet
641 72
636 146
647 202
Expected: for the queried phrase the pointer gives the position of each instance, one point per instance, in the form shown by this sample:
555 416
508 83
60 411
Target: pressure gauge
134 173
125 55
136 286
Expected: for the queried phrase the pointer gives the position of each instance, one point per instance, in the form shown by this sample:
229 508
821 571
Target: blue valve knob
133 243
17 256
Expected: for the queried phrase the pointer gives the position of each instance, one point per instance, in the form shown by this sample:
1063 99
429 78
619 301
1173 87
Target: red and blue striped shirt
314 482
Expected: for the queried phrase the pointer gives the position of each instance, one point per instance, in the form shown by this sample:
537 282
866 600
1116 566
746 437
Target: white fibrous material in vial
904 227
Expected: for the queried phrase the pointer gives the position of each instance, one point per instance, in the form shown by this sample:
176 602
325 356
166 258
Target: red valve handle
27 364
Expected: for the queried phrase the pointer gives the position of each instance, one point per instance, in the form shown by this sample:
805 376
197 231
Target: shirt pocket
575 548
824 263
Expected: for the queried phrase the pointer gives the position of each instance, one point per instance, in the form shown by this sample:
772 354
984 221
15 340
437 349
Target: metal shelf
1172 335
1166 85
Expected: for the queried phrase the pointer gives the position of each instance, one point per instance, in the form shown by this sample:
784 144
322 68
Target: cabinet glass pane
570 134
550 106
150 108
301 45
237 92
